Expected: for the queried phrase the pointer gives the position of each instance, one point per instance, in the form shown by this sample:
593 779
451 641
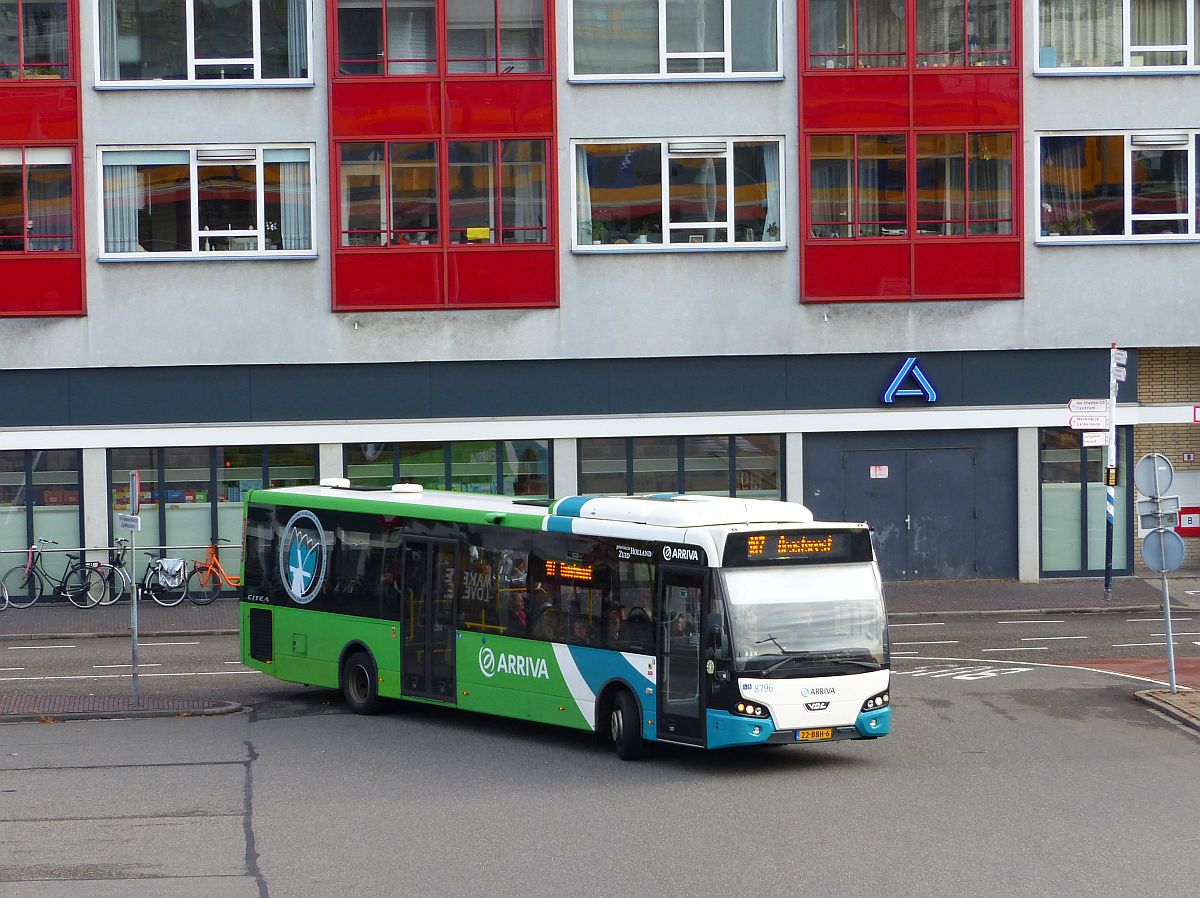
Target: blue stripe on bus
599 667
725 729
555 524
570 506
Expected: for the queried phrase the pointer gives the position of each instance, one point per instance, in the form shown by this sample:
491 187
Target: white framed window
203 43
206 202
1106 187
678 194
689 40
1082 36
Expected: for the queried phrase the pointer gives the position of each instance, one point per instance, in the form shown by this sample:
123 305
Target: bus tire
360 684
625 727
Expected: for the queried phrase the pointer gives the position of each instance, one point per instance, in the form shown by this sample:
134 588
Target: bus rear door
681 604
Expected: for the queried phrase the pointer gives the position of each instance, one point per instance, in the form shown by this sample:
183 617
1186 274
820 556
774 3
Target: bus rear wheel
624 728
360 685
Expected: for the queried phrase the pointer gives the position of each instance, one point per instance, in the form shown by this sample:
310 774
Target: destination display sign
797 547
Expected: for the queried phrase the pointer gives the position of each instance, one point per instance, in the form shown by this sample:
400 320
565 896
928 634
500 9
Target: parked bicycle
208 576
25 583
165 580
116 578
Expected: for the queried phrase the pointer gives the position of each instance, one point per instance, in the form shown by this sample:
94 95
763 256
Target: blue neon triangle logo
910 369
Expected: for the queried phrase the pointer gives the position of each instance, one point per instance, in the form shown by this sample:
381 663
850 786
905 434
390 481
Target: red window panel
36 40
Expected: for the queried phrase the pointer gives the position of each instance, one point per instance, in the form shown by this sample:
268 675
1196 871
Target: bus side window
719 650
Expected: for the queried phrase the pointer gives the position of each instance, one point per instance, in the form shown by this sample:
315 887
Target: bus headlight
875 702
749 709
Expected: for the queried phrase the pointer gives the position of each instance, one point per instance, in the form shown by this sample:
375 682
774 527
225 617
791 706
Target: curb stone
214 710
1182 706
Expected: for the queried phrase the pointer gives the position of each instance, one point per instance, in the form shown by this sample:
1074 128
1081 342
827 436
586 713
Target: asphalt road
999 779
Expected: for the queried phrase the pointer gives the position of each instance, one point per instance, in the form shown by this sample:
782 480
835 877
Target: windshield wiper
771 638
818 659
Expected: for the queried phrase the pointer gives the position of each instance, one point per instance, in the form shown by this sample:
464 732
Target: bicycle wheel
167 596
114 583
23 585
203 585
83 587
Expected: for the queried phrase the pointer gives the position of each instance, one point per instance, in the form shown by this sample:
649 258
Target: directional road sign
1119 374
1120 356
130 522
1095 438
1089 422
1085 406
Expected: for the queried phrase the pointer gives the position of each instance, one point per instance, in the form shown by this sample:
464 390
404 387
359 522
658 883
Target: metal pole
133 612
1170 641
1110 464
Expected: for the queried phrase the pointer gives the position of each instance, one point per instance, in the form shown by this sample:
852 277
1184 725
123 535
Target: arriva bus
702 621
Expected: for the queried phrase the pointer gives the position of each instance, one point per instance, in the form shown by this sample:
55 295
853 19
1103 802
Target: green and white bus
698 620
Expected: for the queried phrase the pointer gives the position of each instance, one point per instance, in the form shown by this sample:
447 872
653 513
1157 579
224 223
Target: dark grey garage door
921 503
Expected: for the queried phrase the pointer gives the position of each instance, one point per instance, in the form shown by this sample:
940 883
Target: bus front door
681 600
427 654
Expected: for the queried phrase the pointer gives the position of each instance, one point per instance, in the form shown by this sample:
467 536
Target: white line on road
930 624
13 648
1023 648
21 668
123 676
1173 633
232 662
1031 621
943 642
1151 620
894 653
103 666
168 643
1131 645
1048 638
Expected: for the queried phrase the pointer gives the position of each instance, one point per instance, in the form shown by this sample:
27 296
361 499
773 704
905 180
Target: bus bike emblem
302 557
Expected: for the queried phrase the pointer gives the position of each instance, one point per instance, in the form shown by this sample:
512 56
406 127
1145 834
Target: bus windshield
806 620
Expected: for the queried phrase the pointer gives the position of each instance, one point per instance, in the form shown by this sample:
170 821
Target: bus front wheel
360 685
625 728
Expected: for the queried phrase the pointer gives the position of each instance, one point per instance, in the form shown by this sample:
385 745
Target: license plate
813 735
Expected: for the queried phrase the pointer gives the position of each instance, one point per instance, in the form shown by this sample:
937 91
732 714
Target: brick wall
1170 375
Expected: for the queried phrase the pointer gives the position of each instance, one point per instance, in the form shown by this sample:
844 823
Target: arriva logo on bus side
678 553
491 664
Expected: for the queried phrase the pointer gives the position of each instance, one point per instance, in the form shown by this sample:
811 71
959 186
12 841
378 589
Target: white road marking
1095 670
1151 620
168 643
894 653
931 624
1031 621
943 642
15 648
140 665
232 662
123 676
1131 645
1023 648
21 668
1173 633
1048 638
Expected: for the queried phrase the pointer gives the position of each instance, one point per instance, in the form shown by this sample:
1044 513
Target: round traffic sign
1153 474
1162 550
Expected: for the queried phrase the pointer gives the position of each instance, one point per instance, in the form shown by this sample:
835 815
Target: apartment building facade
852 253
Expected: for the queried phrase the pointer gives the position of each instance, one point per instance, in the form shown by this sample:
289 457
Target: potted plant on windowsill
1076 226
594 229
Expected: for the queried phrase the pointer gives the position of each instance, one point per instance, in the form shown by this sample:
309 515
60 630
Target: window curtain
771 171
1080 33
827 29
410 39
1158 23
991 194
831 196
940 32
122 197
583 198
708 182
615 36
881 30
297 36
110 62
529 201
49 189
294 205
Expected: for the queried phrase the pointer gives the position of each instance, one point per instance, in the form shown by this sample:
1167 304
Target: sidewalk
904 599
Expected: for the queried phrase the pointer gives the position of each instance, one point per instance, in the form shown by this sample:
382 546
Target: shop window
35 40
504 467
36 212
1073 500
682 193
40 498
496 193
481 37
1133 35
750 465
201 200
663 39
1110 186
152 43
